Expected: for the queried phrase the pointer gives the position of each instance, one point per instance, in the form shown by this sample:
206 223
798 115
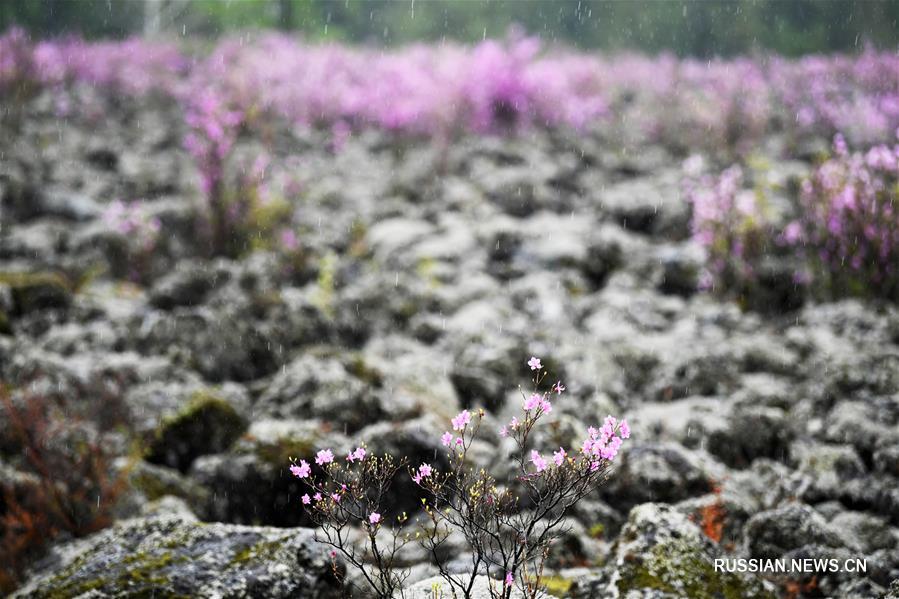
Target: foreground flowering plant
508 525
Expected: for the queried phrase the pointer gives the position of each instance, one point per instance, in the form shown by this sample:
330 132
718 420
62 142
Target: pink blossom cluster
15 59
730 223
133 67
133 221
213 131
493 86
854 95
432 90
849 222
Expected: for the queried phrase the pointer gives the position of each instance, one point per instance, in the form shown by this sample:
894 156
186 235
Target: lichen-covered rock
252 483
186 285
751 432
32 291
219 344
656 472
205 424
660 549
772 533
313 387
177 557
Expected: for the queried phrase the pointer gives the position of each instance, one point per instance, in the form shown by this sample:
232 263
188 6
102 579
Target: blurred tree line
695 28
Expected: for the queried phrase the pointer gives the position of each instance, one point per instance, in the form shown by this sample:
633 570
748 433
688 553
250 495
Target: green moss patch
37 290
207 424
679 568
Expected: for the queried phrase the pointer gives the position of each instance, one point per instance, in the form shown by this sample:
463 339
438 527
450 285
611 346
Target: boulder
660 550
773 533
174 556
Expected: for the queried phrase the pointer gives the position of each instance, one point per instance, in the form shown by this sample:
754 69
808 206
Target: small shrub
66 487
730 224
213 131
508 525
141 232
848 226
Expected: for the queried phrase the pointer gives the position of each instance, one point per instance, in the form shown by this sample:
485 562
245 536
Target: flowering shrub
508 525
493 86
730 224
140 231
849 222
15 59
824 95
213 128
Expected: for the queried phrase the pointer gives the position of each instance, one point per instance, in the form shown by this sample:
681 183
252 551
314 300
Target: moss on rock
661 550
174 558
207 424
37 290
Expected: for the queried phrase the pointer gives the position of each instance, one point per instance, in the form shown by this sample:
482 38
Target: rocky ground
428 277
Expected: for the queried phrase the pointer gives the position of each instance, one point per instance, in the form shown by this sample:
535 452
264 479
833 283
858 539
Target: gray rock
751 433
648 205
311 387
680 269
220 345
656 472
605 253
175 556
868 533
187 285
70 206
252 483
773 533
484 370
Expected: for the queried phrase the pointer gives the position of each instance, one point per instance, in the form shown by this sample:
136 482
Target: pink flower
289 240
545 406
532 402
459 442
374 518
324 457
513 424
559 456
538 460
558 387
335 497
534 363
594 466
587 447
356 456
317 497
305 499
624 430
510 580
504 432
425 470
447 439
461 420
609 426
332 553
301 471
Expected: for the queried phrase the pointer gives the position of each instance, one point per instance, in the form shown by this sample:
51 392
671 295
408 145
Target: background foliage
708 28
